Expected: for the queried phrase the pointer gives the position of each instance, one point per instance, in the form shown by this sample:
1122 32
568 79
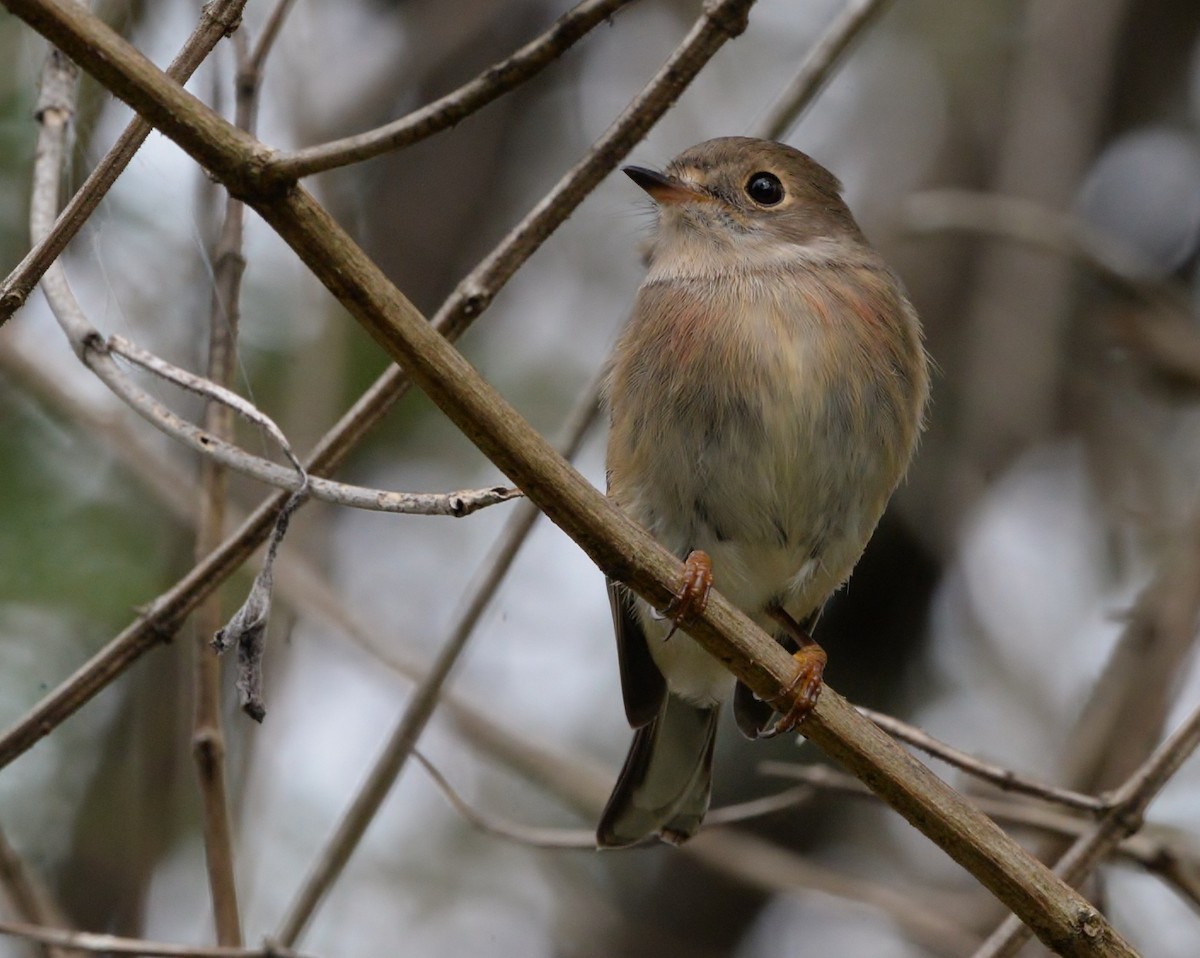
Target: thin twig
29 898
387 768
445 112
217 393
1129 805
584 839
998 775
112 944
1122 721
532 836
1159 633
217 19
208 734
818 65
97 355
1159 849
270 33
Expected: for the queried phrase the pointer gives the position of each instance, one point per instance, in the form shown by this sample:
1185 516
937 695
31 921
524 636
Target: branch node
1090 924
1129 818
58 86
91 343
12 299
222 18
731 20
208 745
162 629
476 301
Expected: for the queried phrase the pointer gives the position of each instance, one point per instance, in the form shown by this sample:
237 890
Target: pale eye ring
765 189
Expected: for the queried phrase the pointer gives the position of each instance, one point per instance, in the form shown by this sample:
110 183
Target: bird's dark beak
663 188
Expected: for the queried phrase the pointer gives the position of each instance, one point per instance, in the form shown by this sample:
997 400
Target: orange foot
691 597
795 702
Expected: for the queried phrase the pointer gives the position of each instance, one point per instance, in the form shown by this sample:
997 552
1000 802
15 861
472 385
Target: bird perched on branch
765 400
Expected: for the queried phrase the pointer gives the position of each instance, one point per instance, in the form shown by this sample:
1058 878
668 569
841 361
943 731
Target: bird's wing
642 684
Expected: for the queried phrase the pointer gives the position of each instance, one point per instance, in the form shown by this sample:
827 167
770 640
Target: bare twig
998 775
1129 806
1159 849
530 835
270 33
28 897
1122 722
217 19
96 353
1061 917
585 838
112 944
390 764
818 65
212 390
494 82
208 735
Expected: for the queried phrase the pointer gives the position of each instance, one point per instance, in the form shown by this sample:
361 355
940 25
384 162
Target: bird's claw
691 598
800 697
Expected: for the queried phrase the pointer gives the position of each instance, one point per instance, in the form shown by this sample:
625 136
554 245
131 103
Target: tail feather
664 786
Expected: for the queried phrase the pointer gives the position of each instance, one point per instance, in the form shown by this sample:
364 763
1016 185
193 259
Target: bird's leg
798 699
692 595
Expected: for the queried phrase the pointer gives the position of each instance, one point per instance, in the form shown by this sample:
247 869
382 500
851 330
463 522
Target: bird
764 399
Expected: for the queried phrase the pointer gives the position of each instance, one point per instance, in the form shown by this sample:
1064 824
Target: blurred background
1030 596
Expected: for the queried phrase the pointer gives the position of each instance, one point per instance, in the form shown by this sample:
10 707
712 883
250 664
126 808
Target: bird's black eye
765 189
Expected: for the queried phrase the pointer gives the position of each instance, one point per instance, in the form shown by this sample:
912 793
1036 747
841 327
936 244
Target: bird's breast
763 419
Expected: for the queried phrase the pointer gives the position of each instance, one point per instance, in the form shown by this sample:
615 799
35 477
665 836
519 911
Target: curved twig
446 111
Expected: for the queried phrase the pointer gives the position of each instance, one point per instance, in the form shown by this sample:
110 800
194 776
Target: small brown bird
765 400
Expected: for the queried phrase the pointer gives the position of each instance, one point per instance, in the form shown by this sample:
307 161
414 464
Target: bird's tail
665 783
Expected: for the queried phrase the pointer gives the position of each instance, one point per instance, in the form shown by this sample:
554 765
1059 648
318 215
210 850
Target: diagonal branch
446 111
1164 851
818 65
1129 806
999 776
